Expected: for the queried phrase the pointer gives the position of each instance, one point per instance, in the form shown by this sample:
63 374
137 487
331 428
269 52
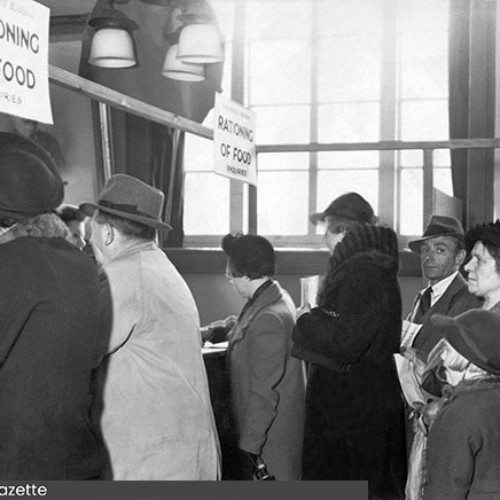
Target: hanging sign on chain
24 56
234 141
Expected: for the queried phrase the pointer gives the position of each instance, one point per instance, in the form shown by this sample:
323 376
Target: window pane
442 158
278 19
282 124
349 122
411 201
424 120
198 153
206 204
349 16
442 180
283 210
349 68
423 15
334 183
424 68
348 159
280 72
283 161
411 158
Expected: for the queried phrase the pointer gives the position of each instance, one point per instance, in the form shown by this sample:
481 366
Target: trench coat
157 418
50 333
267 384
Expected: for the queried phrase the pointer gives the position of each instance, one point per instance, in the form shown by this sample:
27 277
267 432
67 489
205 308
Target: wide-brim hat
475 334
439 225
488 234
130 198
351 206
30 183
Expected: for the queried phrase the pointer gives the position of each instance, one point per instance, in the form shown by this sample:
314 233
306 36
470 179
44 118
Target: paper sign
24 57
309 287
234 141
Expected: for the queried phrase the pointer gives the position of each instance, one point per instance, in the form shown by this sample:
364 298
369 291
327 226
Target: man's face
439 258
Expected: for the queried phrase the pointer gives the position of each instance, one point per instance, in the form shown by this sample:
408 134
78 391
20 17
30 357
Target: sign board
24 58
234 141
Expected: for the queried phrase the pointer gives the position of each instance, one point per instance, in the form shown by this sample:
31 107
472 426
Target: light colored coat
157 419
267 384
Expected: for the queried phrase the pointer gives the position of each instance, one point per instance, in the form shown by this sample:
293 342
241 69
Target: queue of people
101 368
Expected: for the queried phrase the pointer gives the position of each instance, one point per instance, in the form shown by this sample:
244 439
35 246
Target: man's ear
109 234
460 257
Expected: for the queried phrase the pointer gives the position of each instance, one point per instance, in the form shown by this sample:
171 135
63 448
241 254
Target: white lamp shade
200 43
179 70
112 48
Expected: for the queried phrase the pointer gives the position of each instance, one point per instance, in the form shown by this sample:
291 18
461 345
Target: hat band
474 348
124 207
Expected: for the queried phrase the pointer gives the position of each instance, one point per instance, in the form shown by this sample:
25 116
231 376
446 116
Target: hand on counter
217 330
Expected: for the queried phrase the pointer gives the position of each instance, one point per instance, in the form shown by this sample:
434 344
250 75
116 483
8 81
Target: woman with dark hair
354 427
75 221
482 243
267 385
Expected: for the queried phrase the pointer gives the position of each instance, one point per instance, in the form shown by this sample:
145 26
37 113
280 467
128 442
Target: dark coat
354 409
463 447
50 325
455 300
268 384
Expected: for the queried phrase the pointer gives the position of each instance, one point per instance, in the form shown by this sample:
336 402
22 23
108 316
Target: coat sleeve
268 353
451 448
344 332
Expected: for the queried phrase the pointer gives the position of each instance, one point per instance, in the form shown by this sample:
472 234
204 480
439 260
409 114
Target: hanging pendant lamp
176 69
112 44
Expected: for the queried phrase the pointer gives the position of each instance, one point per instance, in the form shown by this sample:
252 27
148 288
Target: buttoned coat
157 419
50 327
463 447
354 427
267 384
455 300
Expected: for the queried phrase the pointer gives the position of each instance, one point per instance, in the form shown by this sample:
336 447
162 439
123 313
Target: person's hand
208 331
306 308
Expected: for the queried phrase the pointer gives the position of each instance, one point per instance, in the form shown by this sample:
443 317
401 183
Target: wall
204 272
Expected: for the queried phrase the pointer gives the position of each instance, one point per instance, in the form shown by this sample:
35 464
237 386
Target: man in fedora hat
51 327
441 251
157 419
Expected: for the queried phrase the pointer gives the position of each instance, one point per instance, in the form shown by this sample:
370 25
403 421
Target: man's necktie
425 301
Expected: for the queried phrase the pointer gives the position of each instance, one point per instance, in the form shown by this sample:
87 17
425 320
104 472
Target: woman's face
334 234
239 282
483 277
77 229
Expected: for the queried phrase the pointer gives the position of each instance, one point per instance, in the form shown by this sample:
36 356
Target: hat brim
416 245
317 217
460 341
90 208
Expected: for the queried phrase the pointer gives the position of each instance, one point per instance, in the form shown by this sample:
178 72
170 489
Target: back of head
70 213
250 255
30 183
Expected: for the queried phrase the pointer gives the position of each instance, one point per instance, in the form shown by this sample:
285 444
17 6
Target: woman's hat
475 334
132 199
488 234
350 206
439 225
30 183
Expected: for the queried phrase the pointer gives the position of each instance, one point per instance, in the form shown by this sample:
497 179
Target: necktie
425 301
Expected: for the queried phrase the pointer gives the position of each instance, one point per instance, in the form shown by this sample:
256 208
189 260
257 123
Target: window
330 71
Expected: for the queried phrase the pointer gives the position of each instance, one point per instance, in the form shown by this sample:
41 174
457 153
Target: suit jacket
455 300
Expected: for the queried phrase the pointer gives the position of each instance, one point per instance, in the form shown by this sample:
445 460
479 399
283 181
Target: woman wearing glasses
267 385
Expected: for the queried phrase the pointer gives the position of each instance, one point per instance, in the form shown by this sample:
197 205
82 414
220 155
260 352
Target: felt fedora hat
475 334
439 225
350 206
30 183
130 198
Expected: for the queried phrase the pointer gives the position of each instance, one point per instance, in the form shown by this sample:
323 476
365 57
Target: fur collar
377 244
46 225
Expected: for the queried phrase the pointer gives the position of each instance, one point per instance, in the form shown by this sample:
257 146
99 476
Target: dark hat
475 334
30 183
130 198
488 234
350 206
439 225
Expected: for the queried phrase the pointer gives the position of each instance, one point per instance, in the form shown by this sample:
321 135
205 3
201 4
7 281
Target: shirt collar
440 287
